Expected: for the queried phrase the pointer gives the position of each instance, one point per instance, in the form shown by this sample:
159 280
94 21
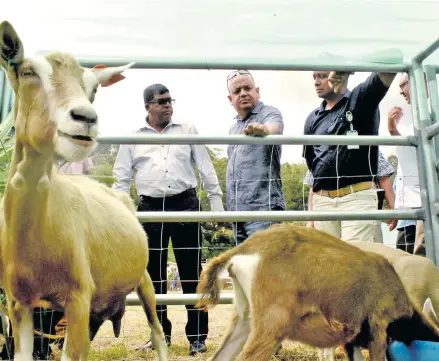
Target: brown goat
67 242
419 276
301 284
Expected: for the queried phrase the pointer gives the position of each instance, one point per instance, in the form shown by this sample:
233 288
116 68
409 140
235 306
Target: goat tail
209 286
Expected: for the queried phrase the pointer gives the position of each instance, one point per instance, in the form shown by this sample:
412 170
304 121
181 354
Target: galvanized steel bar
6 100
433 130
426 161
2 100
272 139
250 63
422 55
244 216
179 299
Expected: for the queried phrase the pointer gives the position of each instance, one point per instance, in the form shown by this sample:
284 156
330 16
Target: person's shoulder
186 127
269 108
312 115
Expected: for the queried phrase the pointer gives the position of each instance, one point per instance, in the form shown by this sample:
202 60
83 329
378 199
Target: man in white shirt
166 181
408 191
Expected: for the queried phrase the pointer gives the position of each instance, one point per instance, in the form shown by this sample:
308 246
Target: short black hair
152 90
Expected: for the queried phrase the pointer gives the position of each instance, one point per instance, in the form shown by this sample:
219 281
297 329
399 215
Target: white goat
67 243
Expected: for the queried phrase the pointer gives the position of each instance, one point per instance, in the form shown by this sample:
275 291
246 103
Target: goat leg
145 292
354 352
260 346
326 354
77 312
378 345
22 322
234 340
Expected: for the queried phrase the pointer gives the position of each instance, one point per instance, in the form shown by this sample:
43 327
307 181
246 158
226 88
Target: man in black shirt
344 175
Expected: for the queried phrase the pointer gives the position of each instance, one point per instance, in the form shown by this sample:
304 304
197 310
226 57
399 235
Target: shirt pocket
146 151
181 152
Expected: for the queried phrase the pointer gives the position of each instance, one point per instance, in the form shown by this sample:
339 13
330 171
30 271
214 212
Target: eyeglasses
401 86
236 73
162 101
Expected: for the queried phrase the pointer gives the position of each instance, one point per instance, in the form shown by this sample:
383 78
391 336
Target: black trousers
405 240
186 243
44 321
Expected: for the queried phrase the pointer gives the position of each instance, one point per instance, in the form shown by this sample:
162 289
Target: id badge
355 133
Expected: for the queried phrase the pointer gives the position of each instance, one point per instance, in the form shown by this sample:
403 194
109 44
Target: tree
295 192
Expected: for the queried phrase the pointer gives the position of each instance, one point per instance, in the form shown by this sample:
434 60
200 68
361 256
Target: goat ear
108 76
429 310
11 47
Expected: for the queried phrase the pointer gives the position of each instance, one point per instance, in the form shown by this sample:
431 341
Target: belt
341 192
174 198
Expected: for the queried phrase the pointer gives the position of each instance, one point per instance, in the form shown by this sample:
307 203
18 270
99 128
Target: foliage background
216 237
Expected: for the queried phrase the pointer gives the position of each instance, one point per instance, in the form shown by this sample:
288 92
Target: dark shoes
197 347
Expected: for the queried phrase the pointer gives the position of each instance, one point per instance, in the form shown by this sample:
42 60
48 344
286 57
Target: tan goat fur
301 284
419 276
66 240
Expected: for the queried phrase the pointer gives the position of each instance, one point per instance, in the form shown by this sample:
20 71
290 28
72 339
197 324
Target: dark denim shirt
253 171
335 166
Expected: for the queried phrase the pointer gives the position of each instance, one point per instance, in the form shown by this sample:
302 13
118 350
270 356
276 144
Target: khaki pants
419 238
349 231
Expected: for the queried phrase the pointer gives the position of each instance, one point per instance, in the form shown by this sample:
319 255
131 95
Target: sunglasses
162 101
236 73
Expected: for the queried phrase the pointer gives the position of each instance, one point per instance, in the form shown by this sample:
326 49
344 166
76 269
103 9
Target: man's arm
308 150
386 184
387 78
122 169
308 181
273 124
310 195
208 174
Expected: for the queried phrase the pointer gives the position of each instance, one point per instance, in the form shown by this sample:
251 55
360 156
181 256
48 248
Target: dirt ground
136 332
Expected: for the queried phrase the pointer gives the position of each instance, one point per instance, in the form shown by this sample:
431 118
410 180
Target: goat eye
28 73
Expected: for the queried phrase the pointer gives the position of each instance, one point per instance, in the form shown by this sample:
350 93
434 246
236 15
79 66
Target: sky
227 31
201 99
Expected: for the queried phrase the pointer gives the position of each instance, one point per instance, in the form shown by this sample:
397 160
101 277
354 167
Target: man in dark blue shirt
344 175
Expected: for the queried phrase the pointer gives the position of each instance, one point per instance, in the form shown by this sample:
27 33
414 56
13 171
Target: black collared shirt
335 166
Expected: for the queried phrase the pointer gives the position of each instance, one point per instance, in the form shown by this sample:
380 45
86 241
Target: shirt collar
256 109
322 106
148 126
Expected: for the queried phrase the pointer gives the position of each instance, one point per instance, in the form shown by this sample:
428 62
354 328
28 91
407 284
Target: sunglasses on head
162 101
236 73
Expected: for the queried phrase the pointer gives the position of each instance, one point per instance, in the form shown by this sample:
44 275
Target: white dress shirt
165 170
408 189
